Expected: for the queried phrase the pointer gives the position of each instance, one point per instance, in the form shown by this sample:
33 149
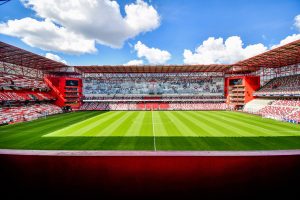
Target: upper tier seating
287 85
130 98
151 84
16 88
13 81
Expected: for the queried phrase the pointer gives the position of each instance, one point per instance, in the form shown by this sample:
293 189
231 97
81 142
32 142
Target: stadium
178 130
239 106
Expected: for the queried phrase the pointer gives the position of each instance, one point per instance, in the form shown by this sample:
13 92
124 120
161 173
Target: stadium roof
288 54
153 68
14 55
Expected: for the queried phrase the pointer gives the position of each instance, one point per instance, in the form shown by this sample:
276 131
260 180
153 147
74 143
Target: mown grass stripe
231 129
181 125
160 124
124 127
216 129
146 129
260 130
136 123
83 126
201 128
267 121
102 124
41 130
244 127
173 129
110 129
26 139
169 136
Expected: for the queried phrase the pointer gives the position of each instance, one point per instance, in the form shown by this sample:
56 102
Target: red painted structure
250 84
66 95
154 177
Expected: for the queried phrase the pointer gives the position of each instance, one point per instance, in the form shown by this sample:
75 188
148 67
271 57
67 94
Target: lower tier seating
15 114
282 109
153 106
256 104
198 106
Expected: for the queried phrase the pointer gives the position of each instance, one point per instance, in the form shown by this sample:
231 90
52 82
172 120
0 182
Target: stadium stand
23 99
154 106
151 91
22 113
282 109
169 91
16 82
198 106
151 98
25 96
152 84
122 106
95 106
281 86
256 104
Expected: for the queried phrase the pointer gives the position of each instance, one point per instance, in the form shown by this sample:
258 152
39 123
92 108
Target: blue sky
182 25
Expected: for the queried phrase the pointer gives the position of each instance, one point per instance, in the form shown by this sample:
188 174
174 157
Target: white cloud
135 62
297 22
141 17
216 51
82 21
287 40
47 36
153 55
290 38
55 57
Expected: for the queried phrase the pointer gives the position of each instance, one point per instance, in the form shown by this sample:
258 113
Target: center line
154 142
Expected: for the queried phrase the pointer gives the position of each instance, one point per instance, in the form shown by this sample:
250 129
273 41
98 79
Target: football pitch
151 130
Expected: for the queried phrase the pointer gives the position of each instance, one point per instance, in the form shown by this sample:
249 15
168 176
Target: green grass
146 130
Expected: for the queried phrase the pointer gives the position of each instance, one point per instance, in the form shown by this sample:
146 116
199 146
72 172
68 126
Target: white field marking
153 130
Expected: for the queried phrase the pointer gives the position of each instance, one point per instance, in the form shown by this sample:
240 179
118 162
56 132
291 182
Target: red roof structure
153 68
14 55
285 55
288 54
